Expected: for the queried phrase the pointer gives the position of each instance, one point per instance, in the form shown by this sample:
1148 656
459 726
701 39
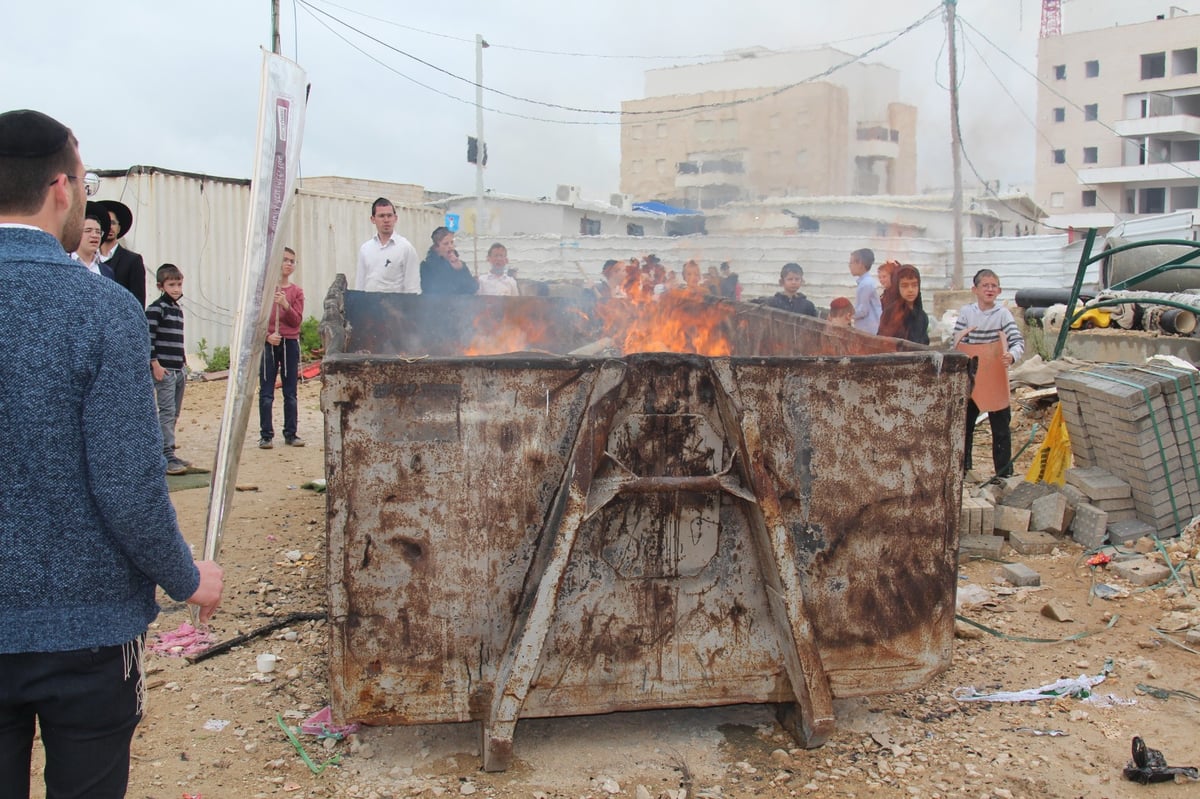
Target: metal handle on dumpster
604 490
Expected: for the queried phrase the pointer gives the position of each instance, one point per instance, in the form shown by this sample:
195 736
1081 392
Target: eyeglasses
91 182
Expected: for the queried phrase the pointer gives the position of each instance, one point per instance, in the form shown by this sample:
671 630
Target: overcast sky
175 85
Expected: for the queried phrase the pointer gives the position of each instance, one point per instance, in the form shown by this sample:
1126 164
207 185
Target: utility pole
956 279
479 151
275 27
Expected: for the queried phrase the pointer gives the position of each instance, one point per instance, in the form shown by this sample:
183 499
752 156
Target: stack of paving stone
1137 424
1103 506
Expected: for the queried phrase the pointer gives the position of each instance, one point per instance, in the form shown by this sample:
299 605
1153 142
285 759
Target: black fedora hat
98 210
124 215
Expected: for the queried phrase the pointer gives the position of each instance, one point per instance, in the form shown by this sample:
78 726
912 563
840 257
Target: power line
570 54
1068 100
1032 123
657 113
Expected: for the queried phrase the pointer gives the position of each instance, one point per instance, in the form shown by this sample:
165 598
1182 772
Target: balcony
1162 173
1178 127
710 172
876 141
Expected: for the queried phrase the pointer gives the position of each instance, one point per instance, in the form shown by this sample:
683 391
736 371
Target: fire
678 320
503 330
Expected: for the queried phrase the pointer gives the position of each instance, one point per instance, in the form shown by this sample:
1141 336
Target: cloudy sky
175 85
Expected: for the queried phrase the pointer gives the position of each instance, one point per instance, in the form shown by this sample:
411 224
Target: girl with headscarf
905 316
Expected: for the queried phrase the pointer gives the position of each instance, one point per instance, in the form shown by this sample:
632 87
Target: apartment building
756 125
1119 116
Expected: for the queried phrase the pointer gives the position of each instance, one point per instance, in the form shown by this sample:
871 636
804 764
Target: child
866 294
841 312
282 353
905 316
988 331
168 359
791 278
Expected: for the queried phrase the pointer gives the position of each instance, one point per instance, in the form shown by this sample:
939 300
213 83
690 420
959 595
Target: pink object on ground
186 640
321 723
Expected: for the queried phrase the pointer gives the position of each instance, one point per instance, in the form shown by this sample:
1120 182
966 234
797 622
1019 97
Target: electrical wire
1032 123
570 54
624 113
1068 100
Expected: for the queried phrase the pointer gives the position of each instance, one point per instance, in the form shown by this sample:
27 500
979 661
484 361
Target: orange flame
679 320
505 332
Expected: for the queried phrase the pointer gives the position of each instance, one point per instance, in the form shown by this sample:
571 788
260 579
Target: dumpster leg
540 600
810 719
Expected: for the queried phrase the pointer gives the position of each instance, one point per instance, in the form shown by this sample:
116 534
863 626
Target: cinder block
1024 493
987 546
1097 483
1142 571
1121 533
1049 513
1073 494
1021 575
1032 542
1121 515
987 522
1124 503
1009 519
1090 526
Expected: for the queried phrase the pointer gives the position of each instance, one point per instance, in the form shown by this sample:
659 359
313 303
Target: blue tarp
655 207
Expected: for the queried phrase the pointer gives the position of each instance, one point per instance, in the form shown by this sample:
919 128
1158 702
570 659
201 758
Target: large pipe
1124 265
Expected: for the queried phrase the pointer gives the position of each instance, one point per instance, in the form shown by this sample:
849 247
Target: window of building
660 166
1060 71
1088 199
704 129
589 227
1183 62
802 157
773 160
1056 199
1060 156
1128 205
1154 65
1091 155
635 133
1091 112
1091 69
1184 197
662 131
635 166
729 129
1152 201
1060 115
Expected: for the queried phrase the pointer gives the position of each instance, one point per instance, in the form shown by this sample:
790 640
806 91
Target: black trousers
1000 421
86 704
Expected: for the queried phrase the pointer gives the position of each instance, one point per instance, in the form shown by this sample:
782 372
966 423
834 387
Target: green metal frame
1086 259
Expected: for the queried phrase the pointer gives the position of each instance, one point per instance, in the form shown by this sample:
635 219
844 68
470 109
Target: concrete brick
1073 494
1009 519
1021 575
987 521
1023 495
1121 533
1090 526
1121 515
1049 513
1032 542
987 546
1142 571
1097 483
1124 503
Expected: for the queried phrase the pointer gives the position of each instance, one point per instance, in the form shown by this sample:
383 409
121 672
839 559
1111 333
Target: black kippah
30 134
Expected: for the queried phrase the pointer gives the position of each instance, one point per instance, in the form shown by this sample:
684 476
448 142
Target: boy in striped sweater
988 331
168 359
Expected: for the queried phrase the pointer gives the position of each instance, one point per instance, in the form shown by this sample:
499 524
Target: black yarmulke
30 134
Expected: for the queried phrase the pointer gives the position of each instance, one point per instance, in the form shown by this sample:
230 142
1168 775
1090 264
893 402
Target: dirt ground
210 729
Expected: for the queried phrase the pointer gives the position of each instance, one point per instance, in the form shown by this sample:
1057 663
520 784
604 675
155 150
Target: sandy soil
923 744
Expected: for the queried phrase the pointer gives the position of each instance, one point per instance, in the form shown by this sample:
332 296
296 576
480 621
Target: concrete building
768 128
1118 114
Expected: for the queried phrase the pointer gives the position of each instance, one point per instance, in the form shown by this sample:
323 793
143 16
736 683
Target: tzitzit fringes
133 654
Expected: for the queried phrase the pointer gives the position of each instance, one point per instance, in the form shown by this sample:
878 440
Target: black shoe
265 443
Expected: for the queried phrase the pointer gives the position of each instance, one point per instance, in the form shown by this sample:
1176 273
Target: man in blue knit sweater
87 529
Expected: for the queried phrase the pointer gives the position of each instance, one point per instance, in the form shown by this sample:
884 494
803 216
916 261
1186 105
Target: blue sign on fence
452 223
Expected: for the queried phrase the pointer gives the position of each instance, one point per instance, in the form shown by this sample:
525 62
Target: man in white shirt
387 261
496 282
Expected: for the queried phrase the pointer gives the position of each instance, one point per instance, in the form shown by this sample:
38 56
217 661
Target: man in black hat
87 524
127 266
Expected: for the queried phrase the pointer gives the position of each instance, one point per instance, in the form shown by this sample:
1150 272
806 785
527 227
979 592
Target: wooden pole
956 280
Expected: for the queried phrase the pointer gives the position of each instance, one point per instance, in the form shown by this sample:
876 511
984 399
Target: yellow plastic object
1093 317
1053 458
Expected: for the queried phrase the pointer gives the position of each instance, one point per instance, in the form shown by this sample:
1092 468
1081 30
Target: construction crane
1051 18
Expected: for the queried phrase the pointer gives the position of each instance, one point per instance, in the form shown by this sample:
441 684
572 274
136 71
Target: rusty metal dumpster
540 534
